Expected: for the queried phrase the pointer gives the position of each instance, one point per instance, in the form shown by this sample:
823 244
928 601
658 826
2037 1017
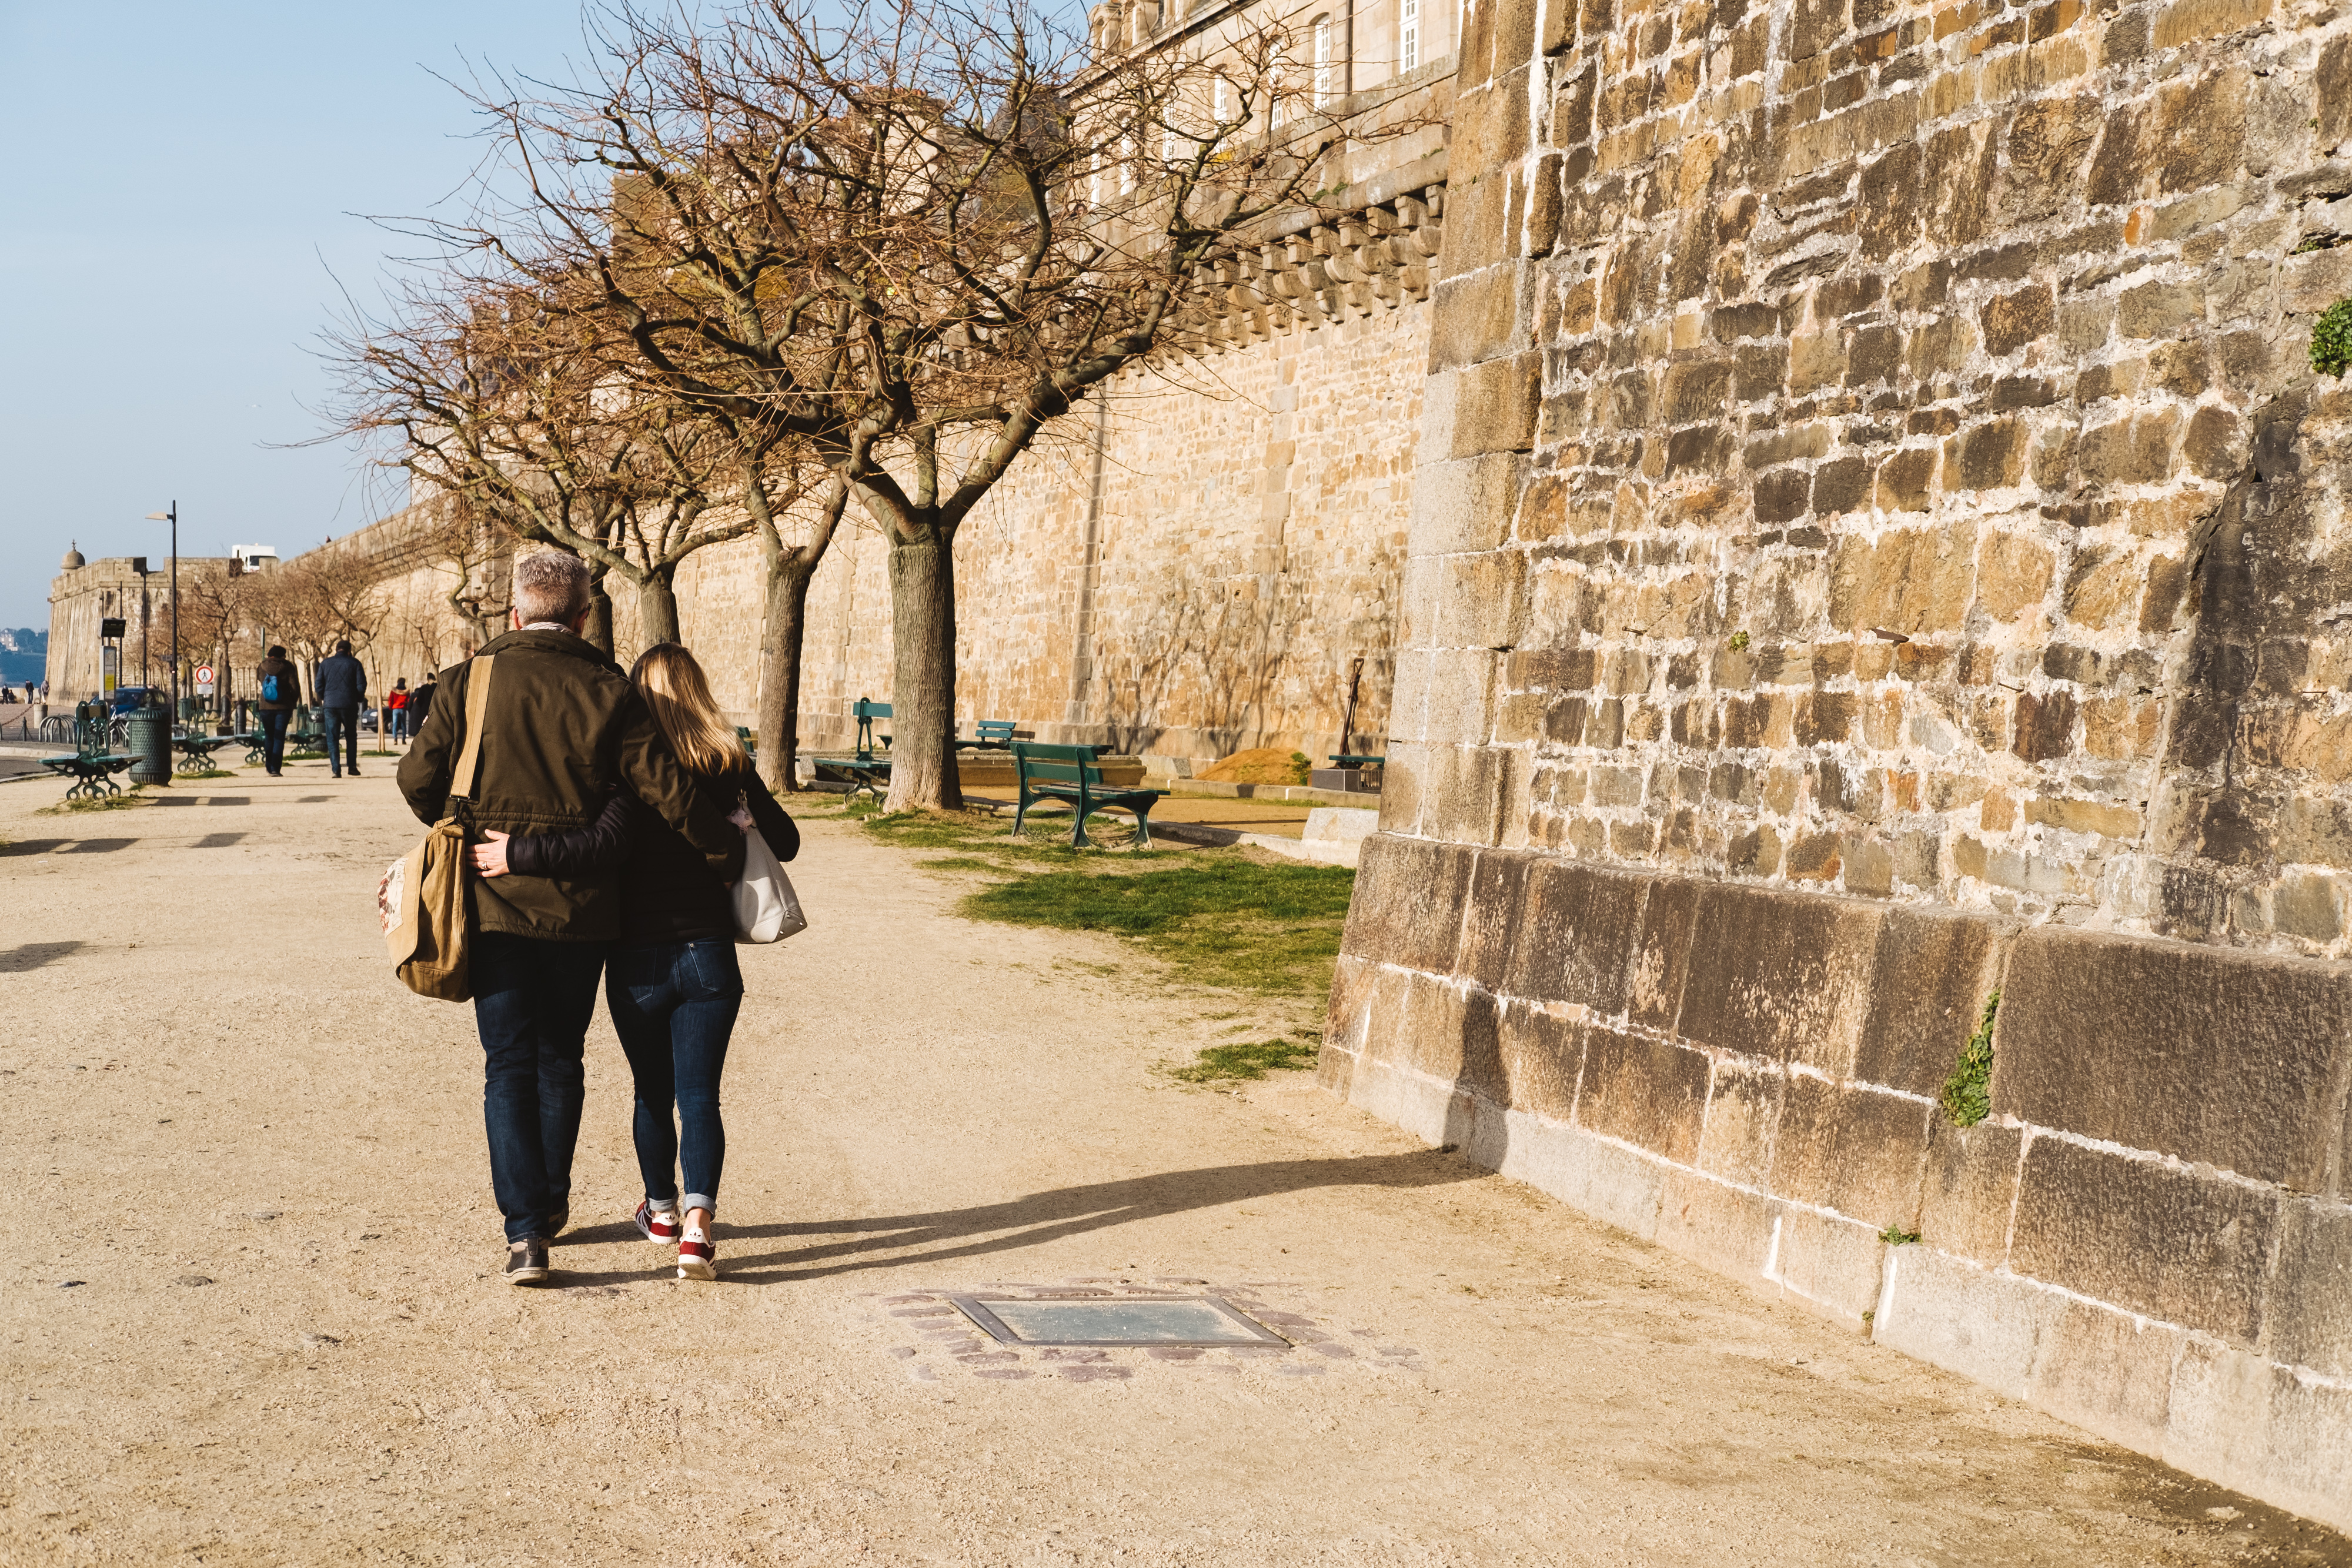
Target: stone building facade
1878 546
135 590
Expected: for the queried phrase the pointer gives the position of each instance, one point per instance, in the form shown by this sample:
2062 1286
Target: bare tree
905 240
495 392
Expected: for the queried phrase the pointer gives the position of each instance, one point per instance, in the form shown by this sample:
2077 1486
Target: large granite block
1576 934
1857 1151
1542 1057
1662 942
2310 1306
1645 1091
1929 976
1407 909
1494 923
2106 1371
1743 1114
1970 1188
2145 1237
1981 1324
1784 976
2210 1056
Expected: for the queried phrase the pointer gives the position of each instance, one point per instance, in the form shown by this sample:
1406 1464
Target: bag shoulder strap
477 702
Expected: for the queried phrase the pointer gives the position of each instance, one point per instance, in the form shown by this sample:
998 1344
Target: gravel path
247 1312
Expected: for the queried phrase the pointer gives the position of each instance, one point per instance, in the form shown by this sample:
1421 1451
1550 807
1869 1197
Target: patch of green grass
1267 929
129 798
1967 1096
208 773
1895 1235
1244 1060
960 862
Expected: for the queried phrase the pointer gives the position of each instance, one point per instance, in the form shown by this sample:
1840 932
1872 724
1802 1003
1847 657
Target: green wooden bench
1068 773
1349 760
751 743
196 750
866 770
995 735
92 767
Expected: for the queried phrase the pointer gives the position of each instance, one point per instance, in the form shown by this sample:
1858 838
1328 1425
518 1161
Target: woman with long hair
673 985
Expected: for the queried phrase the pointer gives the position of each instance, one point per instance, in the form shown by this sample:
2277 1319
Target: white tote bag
766 907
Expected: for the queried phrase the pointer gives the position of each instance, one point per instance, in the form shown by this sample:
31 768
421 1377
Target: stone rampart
2149 1235
1870 451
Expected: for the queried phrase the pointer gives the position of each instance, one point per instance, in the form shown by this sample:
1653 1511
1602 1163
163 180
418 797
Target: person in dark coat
563 730
342 687
275 674
673 985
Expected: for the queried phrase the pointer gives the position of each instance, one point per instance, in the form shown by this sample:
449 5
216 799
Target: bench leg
1019 813
1078 840
1143 828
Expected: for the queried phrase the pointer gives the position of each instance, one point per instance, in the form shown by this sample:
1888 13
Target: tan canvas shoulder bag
423 895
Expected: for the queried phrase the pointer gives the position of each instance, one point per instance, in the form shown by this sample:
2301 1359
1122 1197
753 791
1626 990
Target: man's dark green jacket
564 729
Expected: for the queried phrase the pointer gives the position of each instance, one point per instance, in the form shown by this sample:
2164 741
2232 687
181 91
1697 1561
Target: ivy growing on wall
2331 339
1967 1096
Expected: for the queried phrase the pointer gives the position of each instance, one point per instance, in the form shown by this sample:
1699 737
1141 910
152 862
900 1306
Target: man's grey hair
550 586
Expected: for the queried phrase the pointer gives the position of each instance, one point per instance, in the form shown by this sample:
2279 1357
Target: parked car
129 697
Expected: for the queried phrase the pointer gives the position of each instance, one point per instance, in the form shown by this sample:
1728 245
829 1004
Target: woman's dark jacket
668 891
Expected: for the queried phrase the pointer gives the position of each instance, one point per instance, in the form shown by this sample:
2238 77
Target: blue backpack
270 688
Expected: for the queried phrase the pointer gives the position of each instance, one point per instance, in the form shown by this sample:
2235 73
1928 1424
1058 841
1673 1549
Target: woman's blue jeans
673 1007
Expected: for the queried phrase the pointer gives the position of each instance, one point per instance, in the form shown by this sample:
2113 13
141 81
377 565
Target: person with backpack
279 685
672 985
561 731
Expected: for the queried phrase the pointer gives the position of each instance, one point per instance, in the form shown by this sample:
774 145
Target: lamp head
159 517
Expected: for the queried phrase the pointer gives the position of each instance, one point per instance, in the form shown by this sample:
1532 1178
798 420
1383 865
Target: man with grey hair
561 729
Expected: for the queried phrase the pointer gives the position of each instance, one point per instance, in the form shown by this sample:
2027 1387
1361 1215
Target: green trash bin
151 744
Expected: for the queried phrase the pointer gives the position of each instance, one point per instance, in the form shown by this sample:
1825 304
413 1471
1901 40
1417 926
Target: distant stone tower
73 561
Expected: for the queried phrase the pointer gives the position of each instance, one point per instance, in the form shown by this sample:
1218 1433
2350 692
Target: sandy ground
247 1312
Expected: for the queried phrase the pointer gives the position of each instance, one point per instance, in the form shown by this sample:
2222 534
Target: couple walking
607 821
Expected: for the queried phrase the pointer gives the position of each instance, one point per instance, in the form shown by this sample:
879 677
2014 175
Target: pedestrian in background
342 687
279 685
397 701
563 733
420 705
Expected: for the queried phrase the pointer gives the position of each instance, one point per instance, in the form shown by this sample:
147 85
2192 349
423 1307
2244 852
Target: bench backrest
91 731
995 729
1059 764
865 714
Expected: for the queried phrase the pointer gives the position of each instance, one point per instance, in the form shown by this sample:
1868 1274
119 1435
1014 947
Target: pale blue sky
179 184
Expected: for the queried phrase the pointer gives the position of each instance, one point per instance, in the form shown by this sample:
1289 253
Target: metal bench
92 767
1068 773
866 771
196 750
1349 760
995 735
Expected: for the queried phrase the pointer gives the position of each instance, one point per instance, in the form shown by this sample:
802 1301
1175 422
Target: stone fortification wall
1870 451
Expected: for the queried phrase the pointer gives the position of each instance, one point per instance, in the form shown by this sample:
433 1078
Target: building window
1409 35
1322 60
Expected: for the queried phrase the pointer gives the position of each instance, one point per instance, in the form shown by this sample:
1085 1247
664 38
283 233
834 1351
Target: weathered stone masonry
1877 540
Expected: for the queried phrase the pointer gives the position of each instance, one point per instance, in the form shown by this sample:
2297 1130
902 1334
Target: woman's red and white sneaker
697 1258
657 1225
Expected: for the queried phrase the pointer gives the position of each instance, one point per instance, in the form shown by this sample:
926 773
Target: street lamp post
173 518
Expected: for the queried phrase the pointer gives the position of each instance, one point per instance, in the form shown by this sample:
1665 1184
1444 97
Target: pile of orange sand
1260 765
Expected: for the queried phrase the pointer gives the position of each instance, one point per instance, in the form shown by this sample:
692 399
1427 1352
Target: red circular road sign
203 675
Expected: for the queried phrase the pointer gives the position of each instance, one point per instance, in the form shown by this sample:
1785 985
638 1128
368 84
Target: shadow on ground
976 1232
32 955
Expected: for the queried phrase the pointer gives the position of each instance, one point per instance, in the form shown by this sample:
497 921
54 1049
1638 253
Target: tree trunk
923 666
780 669
598 630
657 609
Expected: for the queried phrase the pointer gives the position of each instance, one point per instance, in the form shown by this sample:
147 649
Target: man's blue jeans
344 721
532 1001
673 1007
273 739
